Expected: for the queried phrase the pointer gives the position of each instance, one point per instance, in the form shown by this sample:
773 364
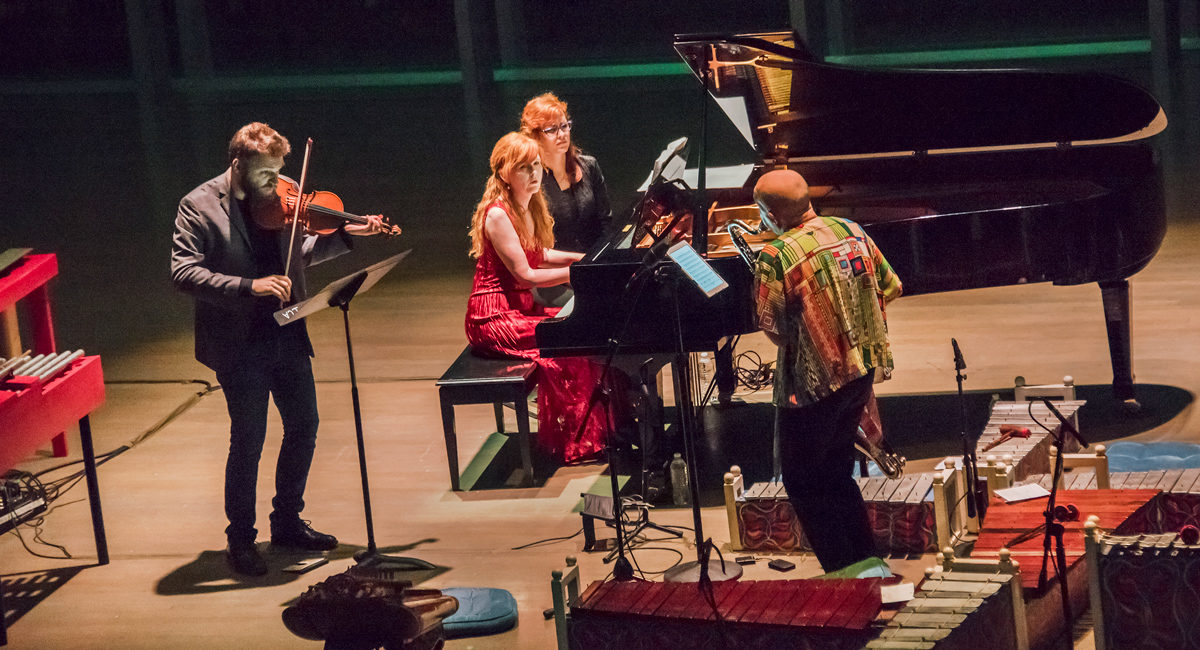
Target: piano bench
478 380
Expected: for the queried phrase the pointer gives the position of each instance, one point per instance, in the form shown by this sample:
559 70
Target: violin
320 212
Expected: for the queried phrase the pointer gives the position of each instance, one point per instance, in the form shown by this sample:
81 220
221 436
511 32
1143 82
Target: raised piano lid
792 108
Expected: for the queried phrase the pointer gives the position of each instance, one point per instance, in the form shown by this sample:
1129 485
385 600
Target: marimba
1008 525
917 513
963 604
738 613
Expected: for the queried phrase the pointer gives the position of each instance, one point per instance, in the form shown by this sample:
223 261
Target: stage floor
167 584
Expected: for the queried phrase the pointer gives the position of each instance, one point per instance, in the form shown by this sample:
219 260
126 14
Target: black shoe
299 535
244 559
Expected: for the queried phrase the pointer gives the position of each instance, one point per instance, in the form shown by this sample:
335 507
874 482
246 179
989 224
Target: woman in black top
573 184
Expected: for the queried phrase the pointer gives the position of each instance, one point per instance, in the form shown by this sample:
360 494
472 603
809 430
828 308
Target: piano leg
93 488
726 376
1115 294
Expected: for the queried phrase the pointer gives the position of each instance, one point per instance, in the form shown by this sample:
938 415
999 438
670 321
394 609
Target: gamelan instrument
750 613
963 178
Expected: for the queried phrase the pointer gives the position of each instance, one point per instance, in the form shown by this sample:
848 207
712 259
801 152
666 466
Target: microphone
1066 424
654 254
657 251
959 363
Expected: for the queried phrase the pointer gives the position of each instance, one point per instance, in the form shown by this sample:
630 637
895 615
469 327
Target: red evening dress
501 316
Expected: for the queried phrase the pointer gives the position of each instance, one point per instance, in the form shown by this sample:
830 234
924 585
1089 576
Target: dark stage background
113 109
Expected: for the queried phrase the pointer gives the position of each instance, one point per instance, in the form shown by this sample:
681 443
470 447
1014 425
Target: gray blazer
211 260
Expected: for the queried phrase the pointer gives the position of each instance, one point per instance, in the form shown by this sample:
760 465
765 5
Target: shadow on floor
23 591
209 573
497 465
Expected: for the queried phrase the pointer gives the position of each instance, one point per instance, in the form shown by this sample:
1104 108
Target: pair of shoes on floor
298 534
244 558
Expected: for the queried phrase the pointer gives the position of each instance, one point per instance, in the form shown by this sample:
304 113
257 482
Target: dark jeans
817 450
289 381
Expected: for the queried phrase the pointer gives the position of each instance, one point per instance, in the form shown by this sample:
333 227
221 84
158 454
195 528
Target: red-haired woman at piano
574 185
511 239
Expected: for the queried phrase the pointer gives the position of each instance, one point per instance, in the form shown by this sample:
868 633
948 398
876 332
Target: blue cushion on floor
481 611
1146 456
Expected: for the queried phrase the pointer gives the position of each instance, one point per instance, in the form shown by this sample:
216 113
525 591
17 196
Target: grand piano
964 178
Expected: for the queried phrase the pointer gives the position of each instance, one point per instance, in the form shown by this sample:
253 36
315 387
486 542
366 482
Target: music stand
688 263
339 293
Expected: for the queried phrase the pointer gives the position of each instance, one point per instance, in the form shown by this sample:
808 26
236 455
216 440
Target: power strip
21 511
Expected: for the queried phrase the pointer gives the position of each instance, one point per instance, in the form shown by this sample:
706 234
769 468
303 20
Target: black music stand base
375 561
643 522
718 571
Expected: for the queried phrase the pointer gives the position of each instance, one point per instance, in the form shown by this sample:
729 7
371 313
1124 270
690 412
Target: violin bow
297 208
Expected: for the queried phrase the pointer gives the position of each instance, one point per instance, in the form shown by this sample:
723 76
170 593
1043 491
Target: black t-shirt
269 340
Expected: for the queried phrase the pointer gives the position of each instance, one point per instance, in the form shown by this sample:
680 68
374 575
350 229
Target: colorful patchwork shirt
821 288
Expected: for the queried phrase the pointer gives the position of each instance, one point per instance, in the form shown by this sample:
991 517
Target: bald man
820 291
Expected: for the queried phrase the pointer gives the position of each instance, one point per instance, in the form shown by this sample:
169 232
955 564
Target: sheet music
697 269
294 313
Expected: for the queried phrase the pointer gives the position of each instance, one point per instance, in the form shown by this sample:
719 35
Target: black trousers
289 381
817 453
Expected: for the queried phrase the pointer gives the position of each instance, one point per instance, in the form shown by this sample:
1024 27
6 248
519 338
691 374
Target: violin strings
324 210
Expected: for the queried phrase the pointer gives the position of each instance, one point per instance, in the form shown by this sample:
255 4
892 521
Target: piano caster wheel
1131 407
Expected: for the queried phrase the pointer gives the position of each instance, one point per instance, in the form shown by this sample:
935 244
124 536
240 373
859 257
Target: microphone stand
703 570
622 569
1054 528
969 466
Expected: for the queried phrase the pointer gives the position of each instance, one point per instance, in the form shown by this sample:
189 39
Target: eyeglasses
565 127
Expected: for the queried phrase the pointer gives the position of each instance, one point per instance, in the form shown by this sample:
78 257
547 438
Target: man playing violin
234 270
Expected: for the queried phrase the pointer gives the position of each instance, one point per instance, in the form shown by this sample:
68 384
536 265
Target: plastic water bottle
681 493
707 366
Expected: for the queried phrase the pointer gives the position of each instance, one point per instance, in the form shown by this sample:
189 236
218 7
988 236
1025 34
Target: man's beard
257 196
